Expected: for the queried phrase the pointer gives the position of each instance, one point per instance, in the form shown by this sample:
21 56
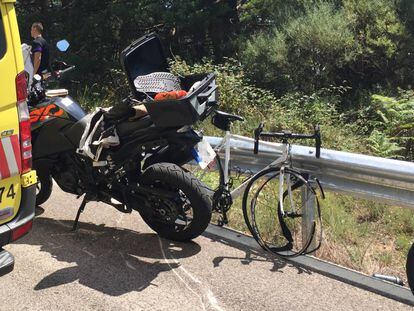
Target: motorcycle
143 172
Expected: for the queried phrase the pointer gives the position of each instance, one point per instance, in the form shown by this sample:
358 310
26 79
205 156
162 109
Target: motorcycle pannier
146 56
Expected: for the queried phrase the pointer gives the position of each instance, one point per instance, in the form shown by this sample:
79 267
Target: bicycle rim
286 236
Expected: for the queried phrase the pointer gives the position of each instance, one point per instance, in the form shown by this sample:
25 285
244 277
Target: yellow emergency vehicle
17 179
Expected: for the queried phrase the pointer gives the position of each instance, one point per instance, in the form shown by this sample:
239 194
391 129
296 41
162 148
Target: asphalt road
115 262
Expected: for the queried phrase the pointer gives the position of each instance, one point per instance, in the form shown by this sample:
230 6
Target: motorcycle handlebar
57 74
60 72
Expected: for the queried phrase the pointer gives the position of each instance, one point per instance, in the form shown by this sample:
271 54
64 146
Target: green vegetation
345 64
295 111
359 43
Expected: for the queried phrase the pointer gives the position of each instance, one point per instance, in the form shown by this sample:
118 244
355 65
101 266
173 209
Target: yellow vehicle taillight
24 122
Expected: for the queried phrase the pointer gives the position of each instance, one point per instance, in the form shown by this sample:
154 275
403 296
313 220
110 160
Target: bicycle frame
283 160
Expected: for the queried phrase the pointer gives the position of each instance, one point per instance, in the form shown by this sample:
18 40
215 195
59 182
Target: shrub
236 94
383 146
363 42
393 123
306 53
382 43
266 61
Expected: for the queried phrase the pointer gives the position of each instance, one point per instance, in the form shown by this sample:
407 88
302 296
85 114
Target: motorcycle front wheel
409 266
44 187
187 213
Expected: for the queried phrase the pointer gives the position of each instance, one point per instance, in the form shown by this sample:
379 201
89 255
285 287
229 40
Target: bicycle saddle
223 120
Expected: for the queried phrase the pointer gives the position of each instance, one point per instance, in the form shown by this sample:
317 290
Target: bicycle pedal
221 222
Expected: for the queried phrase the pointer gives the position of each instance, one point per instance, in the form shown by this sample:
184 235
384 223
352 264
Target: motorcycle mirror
63 45
37 78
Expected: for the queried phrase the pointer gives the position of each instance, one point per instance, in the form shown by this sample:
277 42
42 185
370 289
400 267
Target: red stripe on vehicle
16 149
4 167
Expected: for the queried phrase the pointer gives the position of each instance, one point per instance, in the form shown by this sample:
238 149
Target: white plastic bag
204 154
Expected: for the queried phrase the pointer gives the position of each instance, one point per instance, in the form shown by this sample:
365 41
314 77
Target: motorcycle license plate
203 153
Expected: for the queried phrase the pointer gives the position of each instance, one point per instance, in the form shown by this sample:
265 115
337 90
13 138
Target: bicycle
290 204
289 183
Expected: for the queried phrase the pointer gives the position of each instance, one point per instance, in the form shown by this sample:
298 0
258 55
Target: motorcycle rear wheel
184 217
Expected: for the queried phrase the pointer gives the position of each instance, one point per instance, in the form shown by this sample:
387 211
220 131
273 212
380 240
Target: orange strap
170 95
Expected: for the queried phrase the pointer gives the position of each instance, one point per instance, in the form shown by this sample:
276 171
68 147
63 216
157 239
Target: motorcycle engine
67 178
68 182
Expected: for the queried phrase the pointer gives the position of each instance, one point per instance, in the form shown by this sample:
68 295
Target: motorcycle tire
43 187
168 176
410 268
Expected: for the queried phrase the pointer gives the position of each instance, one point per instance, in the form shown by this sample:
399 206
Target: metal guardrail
384 180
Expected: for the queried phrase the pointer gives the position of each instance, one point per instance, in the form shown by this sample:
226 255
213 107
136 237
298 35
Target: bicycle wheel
409 268
276 216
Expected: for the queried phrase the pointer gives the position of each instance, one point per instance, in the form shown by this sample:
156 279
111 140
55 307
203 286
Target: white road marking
130 266
89 253
179 276
205 295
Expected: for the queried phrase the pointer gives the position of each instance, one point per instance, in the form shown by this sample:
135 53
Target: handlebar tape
256 146
318 141
257 133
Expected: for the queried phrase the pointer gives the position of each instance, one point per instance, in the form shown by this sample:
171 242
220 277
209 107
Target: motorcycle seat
128 127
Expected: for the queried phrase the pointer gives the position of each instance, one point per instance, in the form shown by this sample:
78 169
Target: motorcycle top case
145 56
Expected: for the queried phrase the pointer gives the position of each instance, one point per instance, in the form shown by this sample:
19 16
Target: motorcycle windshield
142 57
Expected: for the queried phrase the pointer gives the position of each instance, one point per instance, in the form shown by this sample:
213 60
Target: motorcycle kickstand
80 210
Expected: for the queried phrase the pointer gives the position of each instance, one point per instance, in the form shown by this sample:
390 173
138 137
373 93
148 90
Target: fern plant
395 121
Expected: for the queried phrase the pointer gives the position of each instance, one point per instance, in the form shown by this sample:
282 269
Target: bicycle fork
282 194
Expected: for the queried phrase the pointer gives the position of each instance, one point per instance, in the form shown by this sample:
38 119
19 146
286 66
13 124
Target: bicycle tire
289 249
409 268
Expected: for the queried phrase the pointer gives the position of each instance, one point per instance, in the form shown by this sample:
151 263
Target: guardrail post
308 216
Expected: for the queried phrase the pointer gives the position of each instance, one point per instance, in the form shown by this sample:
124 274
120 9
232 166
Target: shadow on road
113 261
39 210
252 255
